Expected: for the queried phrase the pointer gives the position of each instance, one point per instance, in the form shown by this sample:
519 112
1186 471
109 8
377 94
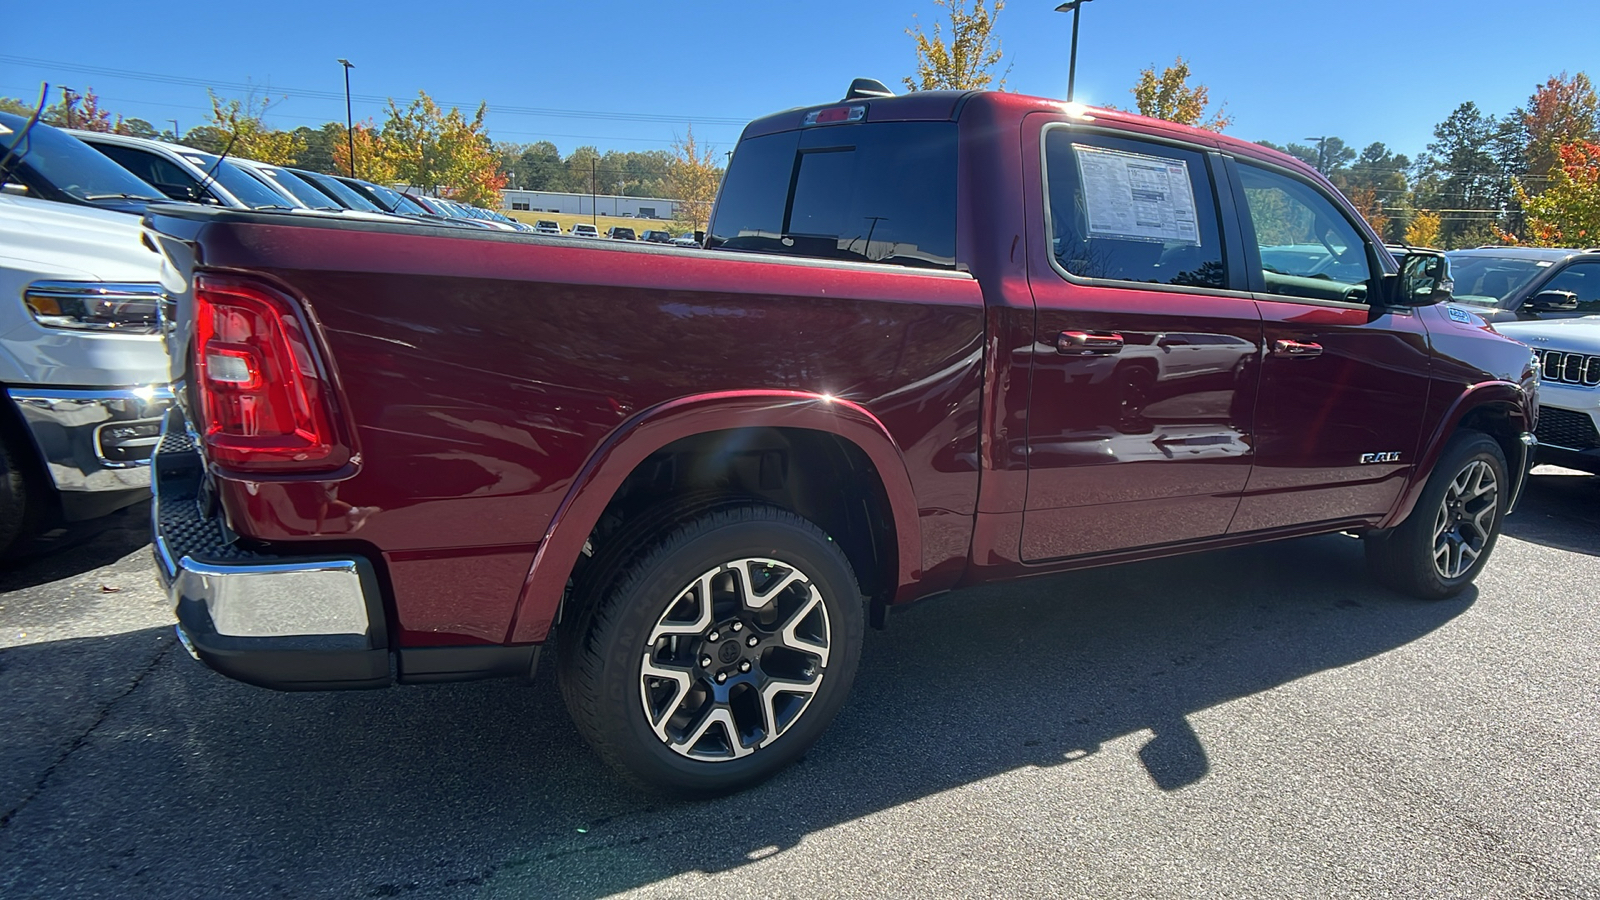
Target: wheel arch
652 430
1499 409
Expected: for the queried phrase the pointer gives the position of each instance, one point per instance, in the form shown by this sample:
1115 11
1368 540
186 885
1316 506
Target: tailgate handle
1089 343
1296 349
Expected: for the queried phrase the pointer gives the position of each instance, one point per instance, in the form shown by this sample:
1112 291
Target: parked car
1568 354
513 435
301 193
620 233
1505 284
583 230
689 239
50 164
338 191
184 173
547 226
655 236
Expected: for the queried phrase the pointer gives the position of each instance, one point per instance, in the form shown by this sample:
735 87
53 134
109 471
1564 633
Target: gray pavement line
5 820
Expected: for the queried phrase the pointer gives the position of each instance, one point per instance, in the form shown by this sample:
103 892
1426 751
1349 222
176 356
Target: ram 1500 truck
82 370
931 341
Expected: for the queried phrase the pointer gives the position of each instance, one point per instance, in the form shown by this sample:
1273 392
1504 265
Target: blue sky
629 76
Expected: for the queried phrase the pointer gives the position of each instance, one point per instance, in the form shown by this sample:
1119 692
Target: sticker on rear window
1131 196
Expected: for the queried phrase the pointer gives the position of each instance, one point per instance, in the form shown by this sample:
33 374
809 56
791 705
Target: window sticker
1130 196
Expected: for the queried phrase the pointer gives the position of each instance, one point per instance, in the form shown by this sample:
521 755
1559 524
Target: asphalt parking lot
1260 722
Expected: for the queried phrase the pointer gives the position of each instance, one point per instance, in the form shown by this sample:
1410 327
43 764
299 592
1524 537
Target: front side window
1308 248
1583 279
1132 210
870 192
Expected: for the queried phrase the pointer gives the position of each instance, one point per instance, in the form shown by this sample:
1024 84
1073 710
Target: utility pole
1322 143
349 119
594 193
1072 6
68 97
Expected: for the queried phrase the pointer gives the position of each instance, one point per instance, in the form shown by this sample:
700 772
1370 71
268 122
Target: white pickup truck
82 369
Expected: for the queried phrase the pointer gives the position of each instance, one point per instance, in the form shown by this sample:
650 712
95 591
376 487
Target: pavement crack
80 740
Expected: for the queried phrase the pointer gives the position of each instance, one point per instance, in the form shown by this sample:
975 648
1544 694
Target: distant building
587 204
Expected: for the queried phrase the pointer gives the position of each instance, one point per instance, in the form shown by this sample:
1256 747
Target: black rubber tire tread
20 502
1402 558
597 665
612 556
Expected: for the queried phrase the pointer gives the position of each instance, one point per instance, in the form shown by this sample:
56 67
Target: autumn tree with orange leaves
1169 96
1567 213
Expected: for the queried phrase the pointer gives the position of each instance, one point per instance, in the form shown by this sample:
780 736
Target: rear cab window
872 192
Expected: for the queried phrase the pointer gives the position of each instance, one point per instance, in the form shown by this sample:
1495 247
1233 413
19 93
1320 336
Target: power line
308 93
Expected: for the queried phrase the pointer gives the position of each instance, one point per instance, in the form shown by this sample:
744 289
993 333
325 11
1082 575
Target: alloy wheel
735 659
1465 519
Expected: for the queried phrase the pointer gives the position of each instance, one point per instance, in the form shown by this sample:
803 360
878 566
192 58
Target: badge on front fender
1390 456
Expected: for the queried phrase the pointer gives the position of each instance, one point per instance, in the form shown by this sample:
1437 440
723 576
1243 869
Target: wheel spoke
759 600
681 677
720 717
701 622
793 641
769 712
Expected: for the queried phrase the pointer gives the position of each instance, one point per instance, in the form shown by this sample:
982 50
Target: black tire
21 501
603 652
1407 557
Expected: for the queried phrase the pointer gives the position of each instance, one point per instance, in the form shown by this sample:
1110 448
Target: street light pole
1072 6
176 134
349 119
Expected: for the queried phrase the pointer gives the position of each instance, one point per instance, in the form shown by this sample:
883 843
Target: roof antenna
865 88
200 189
10 157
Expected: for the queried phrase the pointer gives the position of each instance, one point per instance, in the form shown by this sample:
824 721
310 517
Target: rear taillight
264 404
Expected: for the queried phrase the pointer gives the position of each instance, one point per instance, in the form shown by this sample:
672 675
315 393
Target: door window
1130 210
164 174
1307 247
1583 279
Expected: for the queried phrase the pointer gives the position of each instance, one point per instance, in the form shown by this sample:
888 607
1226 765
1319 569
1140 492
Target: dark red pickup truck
932 341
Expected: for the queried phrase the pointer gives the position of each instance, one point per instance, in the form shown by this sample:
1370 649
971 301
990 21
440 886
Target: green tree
539 168
249 137
1459 177
318 145
693 180
967 62
442 151
16 107
1169 96
209 138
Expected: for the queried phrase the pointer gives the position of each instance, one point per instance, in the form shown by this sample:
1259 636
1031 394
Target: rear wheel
1445 542
719 655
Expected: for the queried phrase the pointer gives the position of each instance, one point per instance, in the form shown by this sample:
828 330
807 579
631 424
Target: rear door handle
1089 343
1296 349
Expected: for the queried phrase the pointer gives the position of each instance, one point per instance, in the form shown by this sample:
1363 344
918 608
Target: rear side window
1132 210
876 192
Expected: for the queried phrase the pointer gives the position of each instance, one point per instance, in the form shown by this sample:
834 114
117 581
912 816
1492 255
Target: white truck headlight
94 305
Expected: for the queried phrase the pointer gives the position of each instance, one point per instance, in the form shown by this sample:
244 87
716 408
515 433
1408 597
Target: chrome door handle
1296 349
1089 343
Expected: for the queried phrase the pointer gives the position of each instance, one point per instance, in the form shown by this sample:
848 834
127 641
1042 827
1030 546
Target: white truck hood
1576 335
43 240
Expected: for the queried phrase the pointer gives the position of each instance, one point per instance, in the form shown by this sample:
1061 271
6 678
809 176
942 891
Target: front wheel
1445 542
718 655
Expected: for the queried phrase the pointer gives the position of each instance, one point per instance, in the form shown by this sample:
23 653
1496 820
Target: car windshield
236 181
68 164
1490 280
339 191
394 201
298 189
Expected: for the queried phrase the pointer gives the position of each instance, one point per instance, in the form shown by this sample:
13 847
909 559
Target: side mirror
1424 279
1551 301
